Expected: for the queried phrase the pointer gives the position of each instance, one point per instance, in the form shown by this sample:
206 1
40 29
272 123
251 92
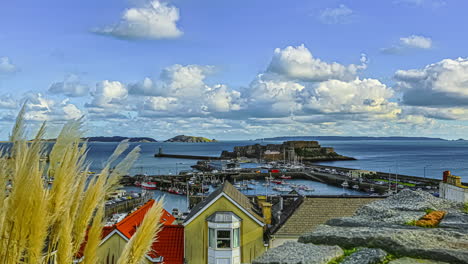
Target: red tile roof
170 242
169 245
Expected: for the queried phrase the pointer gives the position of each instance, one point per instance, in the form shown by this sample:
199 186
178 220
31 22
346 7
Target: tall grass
41 222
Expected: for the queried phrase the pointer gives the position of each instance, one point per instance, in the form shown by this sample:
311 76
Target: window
211 238
223 238
235 237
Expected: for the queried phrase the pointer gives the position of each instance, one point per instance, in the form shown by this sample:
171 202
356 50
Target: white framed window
223 238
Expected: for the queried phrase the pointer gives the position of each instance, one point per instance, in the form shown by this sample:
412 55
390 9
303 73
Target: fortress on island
287 151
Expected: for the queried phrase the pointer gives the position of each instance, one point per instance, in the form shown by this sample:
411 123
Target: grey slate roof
316 211
232 193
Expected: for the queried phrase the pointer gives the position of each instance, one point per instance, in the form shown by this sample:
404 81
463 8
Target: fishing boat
285 177
174 190
149 185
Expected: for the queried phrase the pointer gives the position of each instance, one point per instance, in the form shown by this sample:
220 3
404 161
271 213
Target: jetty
160 154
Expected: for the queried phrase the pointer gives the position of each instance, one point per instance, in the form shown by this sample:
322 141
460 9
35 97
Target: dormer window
224 237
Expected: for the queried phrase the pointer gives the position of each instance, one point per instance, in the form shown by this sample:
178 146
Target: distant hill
345 138
189 139
119 139
113 139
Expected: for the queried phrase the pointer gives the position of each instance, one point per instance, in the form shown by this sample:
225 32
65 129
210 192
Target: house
225 228
168 248
306 213
451 188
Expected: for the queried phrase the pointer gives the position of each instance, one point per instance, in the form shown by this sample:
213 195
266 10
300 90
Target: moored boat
149 185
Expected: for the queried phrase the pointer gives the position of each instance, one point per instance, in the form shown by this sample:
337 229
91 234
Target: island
189 139
287 151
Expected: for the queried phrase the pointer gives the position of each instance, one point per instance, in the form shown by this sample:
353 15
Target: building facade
225 228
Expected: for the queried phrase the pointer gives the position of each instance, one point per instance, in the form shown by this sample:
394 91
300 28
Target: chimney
260 200
446 175
266 212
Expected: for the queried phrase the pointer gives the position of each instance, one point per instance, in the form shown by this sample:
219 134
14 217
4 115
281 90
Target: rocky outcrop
189 139
297 253
385 225
413 261
365 256
289 150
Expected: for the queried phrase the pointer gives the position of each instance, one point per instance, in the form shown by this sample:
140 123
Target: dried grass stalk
39 222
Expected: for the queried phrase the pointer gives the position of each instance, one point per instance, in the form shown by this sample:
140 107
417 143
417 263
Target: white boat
306 188
253 182
149 185
345 184
282 189
356 187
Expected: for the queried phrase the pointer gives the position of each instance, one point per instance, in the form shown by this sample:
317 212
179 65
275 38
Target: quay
379 183
160 154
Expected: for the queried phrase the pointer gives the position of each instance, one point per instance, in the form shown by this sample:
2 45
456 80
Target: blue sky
237 69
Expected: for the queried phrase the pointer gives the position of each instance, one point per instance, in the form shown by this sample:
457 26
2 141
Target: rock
415 261
455 220
295 253
365 256
403 207
433 243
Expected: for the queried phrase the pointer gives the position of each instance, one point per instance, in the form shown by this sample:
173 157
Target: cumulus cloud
154 20
182 90
7 66
339 15
71 86
40 108
409 43
108 95
367 96
298 62
442 84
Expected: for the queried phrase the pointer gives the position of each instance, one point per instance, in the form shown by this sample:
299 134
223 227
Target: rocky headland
384 231
189 139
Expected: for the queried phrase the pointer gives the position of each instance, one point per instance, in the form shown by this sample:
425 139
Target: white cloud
367 96
8 102
415 41
442 84
155 20
182 90
70 86
109 94
298 62
422 3
6 66
339 15
40 108
409 43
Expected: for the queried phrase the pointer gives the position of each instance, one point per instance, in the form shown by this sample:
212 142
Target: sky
236 69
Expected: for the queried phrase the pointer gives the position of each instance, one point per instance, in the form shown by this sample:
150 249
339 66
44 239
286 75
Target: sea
424 158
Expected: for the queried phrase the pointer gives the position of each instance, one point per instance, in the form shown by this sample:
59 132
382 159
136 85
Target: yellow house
225 228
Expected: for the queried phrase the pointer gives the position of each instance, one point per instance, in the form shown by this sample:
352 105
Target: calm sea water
394 156
416 158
